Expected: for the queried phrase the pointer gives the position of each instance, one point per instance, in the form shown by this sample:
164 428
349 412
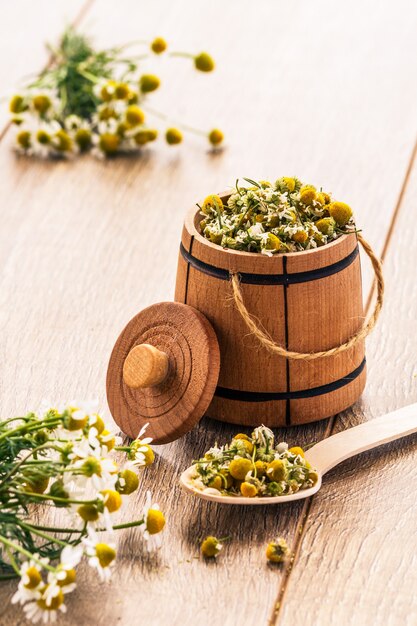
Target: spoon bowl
323 456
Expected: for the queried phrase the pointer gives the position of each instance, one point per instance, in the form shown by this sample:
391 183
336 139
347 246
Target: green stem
127 525
42 534
185 55
12 561
185 127
67 531
22 461
9 576
27 427
29 555
42 496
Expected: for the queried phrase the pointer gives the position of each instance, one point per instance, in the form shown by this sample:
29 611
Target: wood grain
85 245
362 519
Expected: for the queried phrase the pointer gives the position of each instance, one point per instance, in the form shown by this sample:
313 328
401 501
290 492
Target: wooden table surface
323 90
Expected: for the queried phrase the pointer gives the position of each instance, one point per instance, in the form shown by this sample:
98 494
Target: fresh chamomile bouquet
90 100
64 460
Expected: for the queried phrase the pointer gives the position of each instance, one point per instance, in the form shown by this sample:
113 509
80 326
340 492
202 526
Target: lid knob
145 366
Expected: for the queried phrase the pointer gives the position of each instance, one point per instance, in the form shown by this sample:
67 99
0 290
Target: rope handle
363 332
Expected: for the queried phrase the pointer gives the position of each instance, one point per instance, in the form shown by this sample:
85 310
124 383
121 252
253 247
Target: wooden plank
25 28
85 245
360 532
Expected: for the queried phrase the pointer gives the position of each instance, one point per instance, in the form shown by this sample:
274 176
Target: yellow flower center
23 139
70 576
17 104
173 136
276 470
300 236
91 466
307 195
142 449
34 578
38 484
83 139
109 143
248 490
134 115
158 45
63 141
297 450
112 500
128 482
105 554
204 62
155 521
238 468
148 83
340 212
105 441
289 183
41 103
54 604
43 137
216 137
88 512
210 547
213 203
122 91
99 424
107 113
106 92
74 424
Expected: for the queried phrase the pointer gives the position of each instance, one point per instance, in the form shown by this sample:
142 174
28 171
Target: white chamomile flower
30 581
46 607
153 523
263 436
73 122
65 574
282 447
100 555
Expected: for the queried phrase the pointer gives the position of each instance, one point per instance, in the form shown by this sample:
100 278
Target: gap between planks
302 523
85 8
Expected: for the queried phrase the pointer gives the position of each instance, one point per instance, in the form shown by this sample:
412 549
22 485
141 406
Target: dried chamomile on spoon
251 467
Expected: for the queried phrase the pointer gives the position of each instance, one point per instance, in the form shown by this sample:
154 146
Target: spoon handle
337 448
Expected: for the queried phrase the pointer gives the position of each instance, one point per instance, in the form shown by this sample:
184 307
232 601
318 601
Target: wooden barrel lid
163 371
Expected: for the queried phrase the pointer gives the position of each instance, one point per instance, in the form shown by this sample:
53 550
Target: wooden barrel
307 301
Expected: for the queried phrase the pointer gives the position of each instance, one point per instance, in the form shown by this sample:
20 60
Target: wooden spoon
326 454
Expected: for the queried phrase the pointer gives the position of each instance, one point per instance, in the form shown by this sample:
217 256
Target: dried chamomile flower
286 216
277 551
340 212
210 547
254 466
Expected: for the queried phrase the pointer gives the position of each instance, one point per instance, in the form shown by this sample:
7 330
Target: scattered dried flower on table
64 459
286 216
210 547
96 100
277 551
253 467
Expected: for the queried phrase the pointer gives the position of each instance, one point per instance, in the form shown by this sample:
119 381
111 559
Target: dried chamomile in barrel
272 218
